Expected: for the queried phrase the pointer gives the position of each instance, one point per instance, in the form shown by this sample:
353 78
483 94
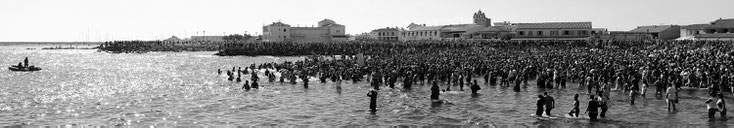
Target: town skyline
85 20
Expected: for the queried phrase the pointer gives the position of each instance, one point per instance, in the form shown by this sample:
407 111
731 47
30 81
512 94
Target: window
284 30
566 33
540 33
530 33
338 30
522 33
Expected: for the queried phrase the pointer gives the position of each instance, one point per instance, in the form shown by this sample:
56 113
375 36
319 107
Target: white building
326 31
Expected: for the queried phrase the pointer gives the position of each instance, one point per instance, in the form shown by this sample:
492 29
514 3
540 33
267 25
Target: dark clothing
435 92
549 104
592 115
373 100
592 108
254 85
712 112
539 104
575 111
604 108
475 88
722 108
26 62
246 87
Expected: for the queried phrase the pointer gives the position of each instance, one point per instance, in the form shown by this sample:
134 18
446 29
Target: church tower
481 19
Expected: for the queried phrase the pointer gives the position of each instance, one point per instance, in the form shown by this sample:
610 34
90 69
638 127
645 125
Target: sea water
87 87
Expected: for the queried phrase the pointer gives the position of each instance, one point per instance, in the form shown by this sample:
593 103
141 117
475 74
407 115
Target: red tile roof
555 25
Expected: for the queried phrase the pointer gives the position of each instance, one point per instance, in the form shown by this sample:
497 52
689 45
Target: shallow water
85 87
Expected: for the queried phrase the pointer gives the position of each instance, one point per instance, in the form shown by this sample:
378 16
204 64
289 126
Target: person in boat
219 71
20 64
26 62
373 100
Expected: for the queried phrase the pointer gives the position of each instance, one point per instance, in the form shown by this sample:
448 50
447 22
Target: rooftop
555 25
459 27
426 28
721 23
278 24
386 29
695 26
652 28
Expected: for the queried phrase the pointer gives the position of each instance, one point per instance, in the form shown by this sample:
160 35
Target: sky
105 20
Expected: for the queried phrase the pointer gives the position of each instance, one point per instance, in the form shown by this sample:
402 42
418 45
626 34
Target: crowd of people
629 66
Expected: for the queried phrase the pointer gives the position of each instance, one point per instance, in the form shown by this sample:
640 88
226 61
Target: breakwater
170 46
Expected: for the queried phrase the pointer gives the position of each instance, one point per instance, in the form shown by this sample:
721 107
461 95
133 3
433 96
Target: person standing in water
575 111
254 85
592 108
435 91
373 100
712 108
231 76
672 97
539 104
721 105
474 88
603 104
246 86
550 103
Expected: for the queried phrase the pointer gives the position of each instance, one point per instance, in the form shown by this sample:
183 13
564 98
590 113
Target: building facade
326 31
386 34
481 28
553 31
689 31
659 32
421 32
